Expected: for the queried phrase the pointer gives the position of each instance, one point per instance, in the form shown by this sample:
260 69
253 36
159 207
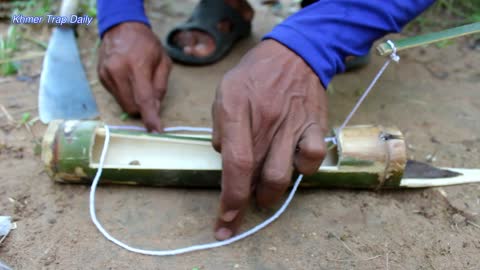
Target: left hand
134 67
270 117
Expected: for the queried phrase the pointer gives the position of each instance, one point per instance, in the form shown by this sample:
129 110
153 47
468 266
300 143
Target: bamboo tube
369 157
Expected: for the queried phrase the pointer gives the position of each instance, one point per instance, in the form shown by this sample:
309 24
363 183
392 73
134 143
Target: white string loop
171 252
393 55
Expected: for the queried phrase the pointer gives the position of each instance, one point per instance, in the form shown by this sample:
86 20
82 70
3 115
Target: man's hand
270 117
134 68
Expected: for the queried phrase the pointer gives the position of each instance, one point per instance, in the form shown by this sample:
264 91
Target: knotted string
238 237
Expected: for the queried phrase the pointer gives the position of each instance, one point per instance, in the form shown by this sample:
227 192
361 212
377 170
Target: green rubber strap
411 42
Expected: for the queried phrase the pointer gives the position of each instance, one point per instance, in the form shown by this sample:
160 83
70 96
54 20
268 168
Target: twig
23 57
6 80
94 83
7 114
430 261
34 55
473 224
27 127
3 238
360 258
36 42
386 258
444 196
357 260
346 246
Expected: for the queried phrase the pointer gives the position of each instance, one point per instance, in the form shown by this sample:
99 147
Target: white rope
238 237
168 129
393 57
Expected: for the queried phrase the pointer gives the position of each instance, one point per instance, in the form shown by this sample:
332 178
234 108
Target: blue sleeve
327 31
113 12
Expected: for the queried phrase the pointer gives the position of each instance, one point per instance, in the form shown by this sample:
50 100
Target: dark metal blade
416 169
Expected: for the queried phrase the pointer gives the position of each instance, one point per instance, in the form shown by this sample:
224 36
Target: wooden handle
69 7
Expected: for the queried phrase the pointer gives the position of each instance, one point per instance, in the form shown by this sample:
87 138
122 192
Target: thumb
148 105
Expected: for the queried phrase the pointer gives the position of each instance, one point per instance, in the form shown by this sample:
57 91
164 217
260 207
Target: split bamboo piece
429 38
365 157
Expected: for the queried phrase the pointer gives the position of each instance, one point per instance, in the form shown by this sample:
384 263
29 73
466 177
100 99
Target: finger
205 45
217 123
238 167
311 150
278 167
145 100
160 78
188 40
122 90
105 79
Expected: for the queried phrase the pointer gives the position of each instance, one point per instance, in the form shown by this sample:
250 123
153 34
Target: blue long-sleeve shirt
323 33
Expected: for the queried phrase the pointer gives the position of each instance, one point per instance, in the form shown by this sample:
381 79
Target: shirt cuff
114 12
325 33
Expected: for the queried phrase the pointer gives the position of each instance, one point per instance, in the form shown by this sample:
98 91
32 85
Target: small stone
236 265
134 162
272 249
430 158
458 219
52 221
437 71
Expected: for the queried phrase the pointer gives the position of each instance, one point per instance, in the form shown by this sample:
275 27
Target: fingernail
223 233
229 216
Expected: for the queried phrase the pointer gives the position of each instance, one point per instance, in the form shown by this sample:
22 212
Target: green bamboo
70 151
411 42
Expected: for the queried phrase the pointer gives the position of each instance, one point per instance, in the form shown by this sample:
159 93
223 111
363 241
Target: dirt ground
432 96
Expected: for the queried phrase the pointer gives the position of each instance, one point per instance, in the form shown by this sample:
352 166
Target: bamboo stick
422 40
467 176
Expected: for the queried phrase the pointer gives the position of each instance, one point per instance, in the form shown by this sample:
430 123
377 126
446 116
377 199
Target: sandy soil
432 95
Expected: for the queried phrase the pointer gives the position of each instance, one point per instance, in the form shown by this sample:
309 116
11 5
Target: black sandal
205 17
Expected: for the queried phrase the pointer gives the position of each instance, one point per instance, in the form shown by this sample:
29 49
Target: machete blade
64 88
416 169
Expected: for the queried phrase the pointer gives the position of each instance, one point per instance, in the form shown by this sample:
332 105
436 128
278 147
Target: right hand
134 68
269 119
